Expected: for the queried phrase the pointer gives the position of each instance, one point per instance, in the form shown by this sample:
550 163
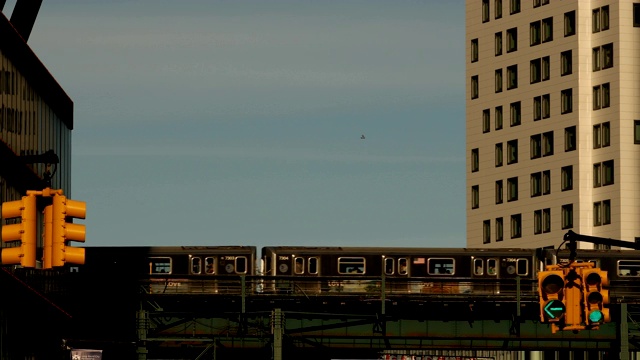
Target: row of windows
540 31
541 221
514 8
540 184
541 145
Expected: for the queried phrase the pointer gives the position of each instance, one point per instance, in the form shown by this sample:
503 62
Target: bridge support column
143 329
277 327
624 333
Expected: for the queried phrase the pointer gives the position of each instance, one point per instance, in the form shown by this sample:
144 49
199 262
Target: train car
175 269
330 270
622 266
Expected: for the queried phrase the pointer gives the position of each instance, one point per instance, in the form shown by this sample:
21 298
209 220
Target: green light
596 316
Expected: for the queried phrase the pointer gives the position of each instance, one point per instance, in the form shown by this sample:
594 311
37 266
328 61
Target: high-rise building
552 121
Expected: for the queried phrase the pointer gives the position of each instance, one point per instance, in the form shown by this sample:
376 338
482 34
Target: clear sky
239 122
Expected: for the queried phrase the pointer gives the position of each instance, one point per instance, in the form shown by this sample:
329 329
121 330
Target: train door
228 270
306 271
484 272
396 273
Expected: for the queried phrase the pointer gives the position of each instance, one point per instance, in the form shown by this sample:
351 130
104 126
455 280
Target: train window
441 266
389 266
491 267
160 265
351 265
522 266
210 265
629 267
478 266
402 266
196 265
313 265
241 265
299 268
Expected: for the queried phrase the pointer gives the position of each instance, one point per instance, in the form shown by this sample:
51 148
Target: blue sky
239 122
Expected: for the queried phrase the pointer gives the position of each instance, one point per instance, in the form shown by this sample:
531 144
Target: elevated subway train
351 270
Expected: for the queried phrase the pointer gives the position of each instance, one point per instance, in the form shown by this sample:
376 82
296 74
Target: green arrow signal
554 309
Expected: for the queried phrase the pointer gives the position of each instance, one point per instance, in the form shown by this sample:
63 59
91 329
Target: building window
474 87
512 152
547 143
546 182
547 30
570 143
485 11
601 135
595 58
604 23
570 23
595 20
486 120
498 9
607 56
537 108
566 59
606 134
546 106
512 40
606 95
512 77
546 220
567 216
515 114
515 6
499 229
597 213
606 212
536 146
536 184
636 129
546 68
636 15
512 189
536 70
474 50
596 97
499 155
537 222
534 33
475 160
475 196
516 226
498 43
597 175
567 178
537 3
498 117
607 173
486 231
498 80
499 191
567 101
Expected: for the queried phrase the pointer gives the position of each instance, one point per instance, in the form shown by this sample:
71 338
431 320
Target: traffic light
63 231
596 296
551 290
25 232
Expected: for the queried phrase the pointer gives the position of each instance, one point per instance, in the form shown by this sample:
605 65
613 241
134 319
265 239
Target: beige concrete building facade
552 121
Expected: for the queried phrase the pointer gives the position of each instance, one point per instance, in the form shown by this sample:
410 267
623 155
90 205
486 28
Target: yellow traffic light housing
596 296
25 232
551 290
63 231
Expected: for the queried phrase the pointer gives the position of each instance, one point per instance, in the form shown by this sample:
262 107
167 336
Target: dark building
36 120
